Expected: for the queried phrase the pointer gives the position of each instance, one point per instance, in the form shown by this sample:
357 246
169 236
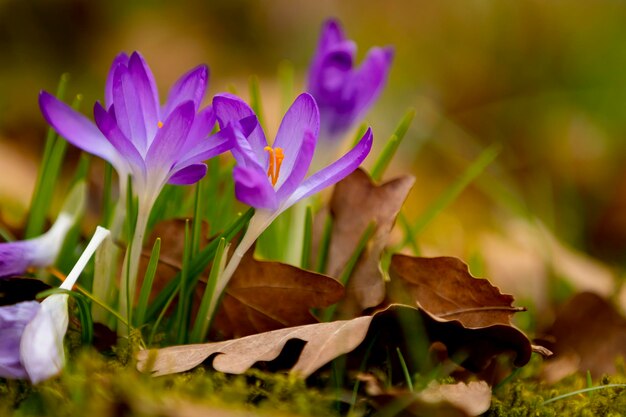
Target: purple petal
331 34
14 258
13 320
77 129
208 148
253 188
121 59
188 175
145 86
370 78
128 112
302 117
108 126
201 127
333 173
329 80
229 109
168 143
191 86
300 167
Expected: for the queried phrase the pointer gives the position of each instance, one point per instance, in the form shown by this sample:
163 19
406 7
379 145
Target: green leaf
308 239
388 152
146 286
255 99
203 321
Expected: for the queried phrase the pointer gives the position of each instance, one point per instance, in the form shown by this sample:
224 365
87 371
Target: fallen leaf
264 296
442 400
324 342
589 335
477 314
355 203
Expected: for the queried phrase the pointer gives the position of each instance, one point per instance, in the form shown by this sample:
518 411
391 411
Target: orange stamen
276 160
160 125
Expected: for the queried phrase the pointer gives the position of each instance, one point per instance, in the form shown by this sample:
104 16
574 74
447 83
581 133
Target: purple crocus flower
42 251
344 93
154 144
32 333
273 178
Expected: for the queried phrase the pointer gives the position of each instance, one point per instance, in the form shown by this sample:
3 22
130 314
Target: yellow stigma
276 160
160 125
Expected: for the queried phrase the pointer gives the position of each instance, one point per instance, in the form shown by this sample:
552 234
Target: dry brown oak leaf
355 203
471 317
589 335
323 342
264 296
447 400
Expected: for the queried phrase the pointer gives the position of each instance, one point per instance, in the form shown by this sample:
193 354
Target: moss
525 397
99 387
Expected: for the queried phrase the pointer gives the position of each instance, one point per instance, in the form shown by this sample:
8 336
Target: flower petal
147 93
13 320
191 86
108 126
41 347
188 175
14 258
169 140
120 59
331 34
333 173
300 168
229 109
303 116
128 112
370 78
208 148
253 188
77 129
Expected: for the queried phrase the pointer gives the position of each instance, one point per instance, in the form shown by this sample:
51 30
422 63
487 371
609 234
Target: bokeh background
547 80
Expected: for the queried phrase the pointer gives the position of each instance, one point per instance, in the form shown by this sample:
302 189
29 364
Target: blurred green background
545 79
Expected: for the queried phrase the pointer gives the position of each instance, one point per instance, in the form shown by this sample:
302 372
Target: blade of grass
203 321
146 286
390 148
454 190
322 257
405 370
184 292
305 261
328 313
107 198
196 233
46 188
255 99
582 391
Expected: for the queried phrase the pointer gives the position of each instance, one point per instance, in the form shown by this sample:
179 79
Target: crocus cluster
31 346
150 144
